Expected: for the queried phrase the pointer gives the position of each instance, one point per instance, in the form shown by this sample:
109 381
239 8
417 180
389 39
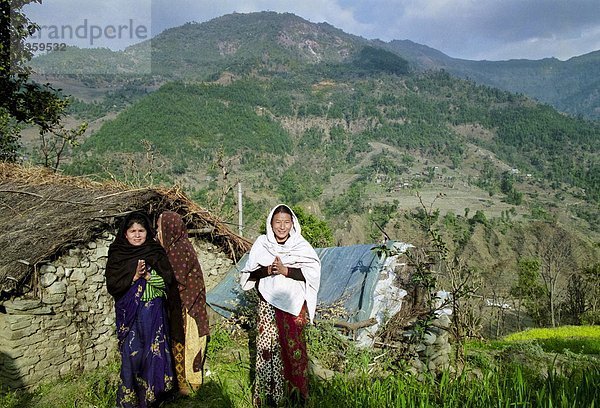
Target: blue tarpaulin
349 276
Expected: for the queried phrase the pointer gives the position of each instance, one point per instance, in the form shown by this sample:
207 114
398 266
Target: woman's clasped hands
141 271
277 268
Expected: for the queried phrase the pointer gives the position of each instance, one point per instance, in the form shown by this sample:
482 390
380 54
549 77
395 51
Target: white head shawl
285 293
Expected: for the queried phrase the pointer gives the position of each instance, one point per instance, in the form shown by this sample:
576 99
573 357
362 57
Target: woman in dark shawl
189 356
140 278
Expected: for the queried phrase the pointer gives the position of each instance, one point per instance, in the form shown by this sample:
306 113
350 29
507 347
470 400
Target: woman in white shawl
286 271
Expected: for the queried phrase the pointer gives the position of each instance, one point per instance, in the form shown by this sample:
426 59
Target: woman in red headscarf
189 356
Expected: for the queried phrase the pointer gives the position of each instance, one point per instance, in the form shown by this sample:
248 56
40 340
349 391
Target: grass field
576 339
516 371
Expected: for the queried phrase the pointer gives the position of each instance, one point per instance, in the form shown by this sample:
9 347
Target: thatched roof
43 214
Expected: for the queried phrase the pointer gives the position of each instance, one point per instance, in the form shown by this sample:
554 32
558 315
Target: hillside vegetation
570 86
333 124
351 130
240 43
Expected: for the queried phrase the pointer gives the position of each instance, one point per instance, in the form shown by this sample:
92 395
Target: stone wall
432 354
70 324
215 264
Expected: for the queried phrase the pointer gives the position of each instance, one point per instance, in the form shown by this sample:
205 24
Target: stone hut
56 316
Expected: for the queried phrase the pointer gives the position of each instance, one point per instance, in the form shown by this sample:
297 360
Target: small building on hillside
56 315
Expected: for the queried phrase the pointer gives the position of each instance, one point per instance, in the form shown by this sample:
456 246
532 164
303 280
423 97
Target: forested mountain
571 86
240 43
351 130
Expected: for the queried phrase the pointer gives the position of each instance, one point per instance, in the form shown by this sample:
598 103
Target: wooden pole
240 211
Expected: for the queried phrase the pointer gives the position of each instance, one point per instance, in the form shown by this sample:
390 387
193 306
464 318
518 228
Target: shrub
591 317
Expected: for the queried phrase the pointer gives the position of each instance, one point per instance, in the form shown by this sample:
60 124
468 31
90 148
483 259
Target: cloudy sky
469 29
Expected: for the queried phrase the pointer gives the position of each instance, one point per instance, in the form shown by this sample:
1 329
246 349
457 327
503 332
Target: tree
507 182
317 232
21 100
583 292
479 217
496 296
556 255
591 277
218 197
9 137
575 303
507 186
461 282
528 290
55 143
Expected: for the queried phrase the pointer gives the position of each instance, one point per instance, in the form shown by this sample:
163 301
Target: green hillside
271 42
185 121
570 86
407 112
361 136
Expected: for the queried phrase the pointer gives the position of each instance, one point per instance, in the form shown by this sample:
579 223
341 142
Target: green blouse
155 287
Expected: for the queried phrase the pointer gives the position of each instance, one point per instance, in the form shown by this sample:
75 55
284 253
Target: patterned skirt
146 365
189 380
281 355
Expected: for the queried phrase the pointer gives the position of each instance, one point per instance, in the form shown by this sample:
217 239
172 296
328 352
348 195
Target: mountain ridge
281 39
571 86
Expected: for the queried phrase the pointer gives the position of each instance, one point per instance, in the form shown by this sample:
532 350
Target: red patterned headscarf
186 268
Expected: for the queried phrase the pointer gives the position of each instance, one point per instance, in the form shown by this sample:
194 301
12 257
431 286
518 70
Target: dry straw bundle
43 214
